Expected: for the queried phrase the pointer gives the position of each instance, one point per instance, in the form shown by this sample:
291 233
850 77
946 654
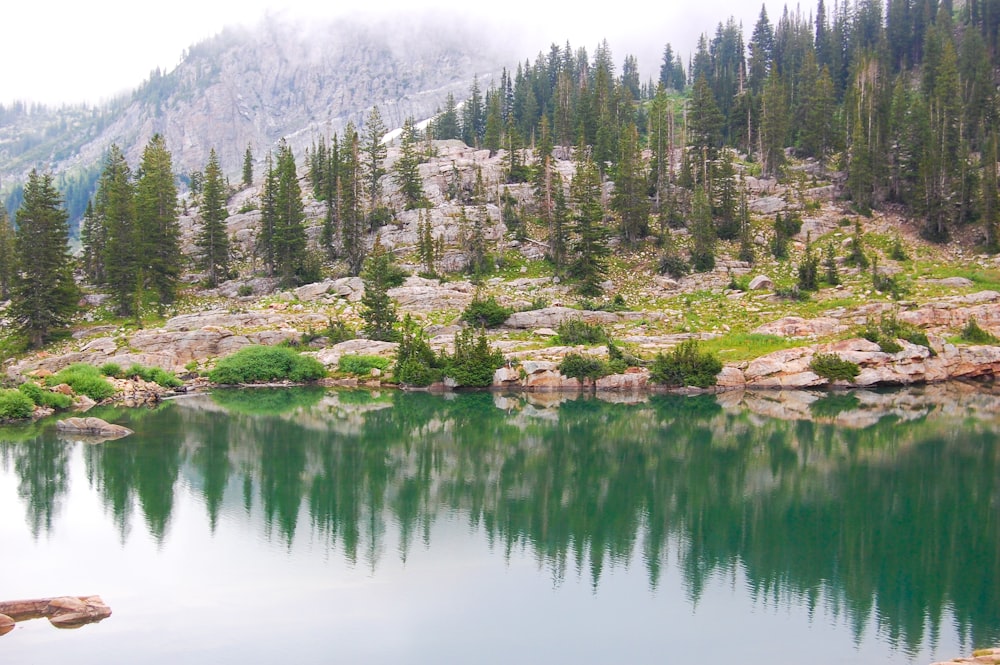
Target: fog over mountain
254 86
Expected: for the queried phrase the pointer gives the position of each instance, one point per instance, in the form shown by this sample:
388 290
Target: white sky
73 51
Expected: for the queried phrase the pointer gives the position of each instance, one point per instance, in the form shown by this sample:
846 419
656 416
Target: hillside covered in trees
826 151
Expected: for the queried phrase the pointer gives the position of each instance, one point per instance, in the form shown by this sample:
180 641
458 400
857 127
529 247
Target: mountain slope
254 86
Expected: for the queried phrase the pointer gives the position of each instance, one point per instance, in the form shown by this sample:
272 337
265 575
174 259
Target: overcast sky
72 51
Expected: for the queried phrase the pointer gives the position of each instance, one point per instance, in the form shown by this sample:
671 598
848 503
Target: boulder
6 624
952 282
768 205
796 326
630 381
551 317
363 347
761 283
506 376
92 427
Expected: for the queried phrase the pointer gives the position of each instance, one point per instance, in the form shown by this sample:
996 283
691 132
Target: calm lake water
303 526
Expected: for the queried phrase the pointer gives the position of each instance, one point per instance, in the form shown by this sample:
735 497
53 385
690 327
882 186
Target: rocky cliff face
256 86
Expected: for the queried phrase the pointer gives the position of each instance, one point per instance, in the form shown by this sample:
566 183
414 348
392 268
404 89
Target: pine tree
746 252
704 126
377 308
213 237
331 219
248 167
7 256
43 294
774 125
445 125
289 224
830 271
630 200
406 169
373 154
265 248
92 238
494 121
989 204
123 244
473 117
589 237
157 220
350 196
702 232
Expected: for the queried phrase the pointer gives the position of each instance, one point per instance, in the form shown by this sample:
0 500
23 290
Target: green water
303 526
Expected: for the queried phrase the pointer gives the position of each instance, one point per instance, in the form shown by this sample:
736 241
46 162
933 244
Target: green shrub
359 364
41 397
686 365
486 313
15 405
575 331
244 291
111 369
575 366
84 379
473 362
674 265
416 362
973 334
834 368
337 331
155 375
888 329
266 363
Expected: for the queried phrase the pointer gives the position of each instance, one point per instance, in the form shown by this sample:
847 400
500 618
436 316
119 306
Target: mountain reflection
880 506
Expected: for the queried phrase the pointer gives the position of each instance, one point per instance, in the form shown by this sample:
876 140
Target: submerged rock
92 427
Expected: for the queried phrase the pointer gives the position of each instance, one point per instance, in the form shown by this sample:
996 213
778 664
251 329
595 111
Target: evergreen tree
589 237
248 167
266 249
7 256
830 271
157 220
746 252
377 308
702 232
630 200
43 294
373 154
494 121
123 244
774 125
350 195
331 218
726 197
406 169
704 126
990 206
212 240
809 270
289 225
92 239
446 124
473 116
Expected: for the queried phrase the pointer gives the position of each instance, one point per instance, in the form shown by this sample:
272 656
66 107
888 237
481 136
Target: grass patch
735 347
362 364
84 379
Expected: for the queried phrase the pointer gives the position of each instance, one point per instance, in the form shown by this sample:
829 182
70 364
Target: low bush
111 369
473 362
361 365
974 334
416 362
84 379
266 363
155 375
686 365
834 368
486 313
15 405
674 265
41 397
337 331
888 329
580 367
575 331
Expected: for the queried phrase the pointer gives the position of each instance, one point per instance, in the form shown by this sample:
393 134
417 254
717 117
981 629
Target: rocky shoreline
189 343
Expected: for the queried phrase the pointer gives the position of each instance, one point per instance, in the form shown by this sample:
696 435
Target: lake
302 526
